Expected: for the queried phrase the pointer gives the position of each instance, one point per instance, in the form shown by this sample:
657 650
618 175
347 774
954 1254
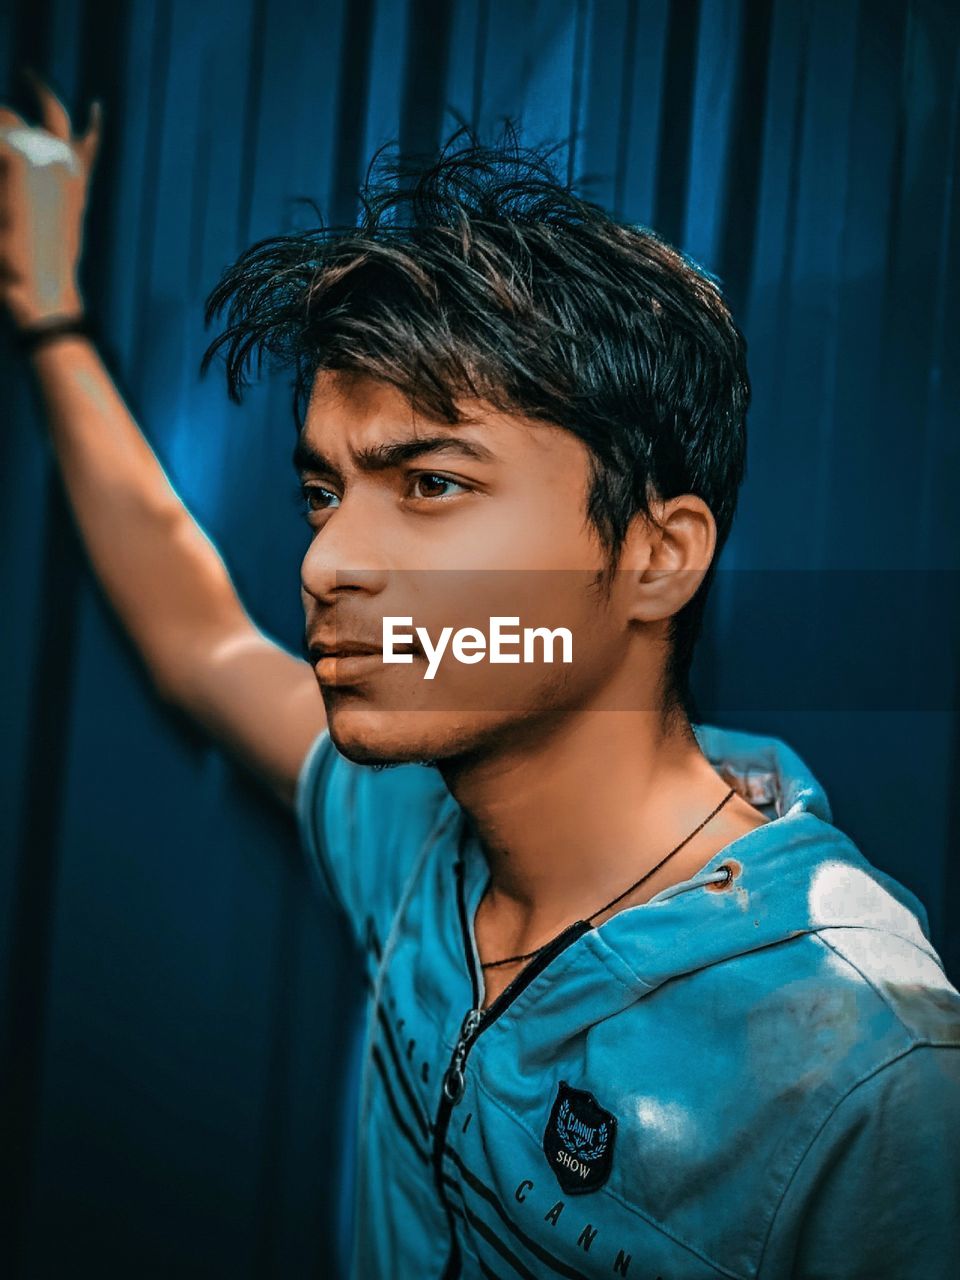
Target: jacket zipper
475 1022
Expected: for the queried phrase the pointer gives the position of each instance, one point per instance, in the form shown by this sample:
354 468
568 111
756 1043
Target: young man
638 1007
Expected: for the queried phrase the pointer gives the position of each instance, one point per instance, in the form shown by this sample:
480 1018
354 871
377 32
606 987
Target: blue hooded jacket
753 1074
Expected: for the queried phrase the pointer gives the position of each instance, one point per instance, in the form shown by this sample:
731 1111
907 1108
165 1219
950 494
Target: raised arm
160 571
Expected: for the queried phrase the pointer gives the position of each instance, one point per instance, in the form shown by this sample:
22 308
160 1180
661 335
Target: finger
53 113
10 120
88 146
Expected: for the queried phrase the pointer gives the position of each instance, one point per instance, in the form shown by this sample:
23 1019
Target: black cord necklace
529 955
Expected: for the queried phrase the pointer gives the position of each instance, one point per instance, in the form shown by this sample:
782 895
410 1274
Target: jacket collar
797 874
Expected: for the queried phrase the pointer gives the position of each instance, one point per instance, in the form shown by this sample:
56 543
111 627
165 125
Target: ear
667 557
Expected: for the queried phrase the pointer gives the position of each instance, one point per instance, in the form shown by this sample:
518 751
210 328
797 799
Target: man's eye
311 498
433 480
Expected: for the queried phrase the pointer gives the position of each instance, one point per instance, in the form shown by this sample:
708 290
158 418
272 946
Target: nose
345 555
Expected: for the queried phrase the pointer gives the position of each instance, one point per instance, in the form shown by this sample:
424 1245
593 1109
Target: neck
570 821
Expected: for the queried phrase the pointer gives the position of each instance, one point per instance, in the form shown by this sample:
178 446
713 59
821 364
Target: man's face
487 522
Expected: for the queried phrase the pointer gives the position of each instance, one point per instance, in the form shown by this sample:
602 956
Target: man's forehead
340 392
346 395
374 428
351 410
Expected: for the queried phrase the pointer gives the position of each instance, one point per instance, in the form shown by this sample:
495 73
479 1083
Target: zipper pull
453 1080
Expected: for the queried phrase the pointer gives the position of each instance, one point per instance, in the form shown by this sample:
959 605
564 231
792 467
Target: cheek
536 527
552 536
550 599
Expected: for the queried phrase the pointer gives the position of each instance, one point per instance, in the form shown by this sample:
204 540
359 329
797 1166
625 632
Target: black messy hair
478 272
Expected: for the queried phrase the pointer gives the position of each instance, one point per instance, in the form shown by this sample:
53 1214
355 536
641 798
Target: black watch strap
30 338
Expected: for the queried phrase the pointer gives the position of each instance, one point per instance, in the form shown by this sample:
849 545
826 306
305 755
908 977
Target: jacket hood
796 874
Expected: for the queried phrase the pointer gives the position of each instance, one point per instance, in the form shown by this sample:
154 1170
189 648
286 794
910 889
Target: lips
343 648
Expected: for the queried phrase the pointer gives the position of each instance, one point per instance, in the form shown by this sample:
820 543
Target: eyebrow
388 453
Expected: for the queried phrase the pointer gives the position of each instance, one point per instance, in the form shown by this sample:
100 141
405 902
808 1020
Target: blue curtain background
180 1032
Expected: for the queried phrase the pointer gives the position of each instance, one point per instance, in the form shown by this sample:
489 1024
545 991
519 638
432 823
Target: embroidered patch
578 1140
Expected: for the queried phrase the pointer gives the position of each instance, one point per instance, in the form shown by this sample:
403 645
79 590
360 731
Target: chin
368 735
